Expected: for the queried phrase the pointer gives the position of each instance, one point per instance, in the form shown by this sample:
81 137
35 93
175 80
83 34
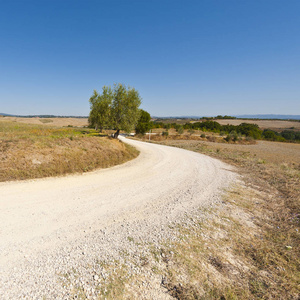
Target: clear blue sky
184 57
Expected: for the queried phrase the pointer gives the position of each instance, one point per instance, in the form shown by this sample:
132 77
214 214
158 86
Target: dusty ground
276 125
56 233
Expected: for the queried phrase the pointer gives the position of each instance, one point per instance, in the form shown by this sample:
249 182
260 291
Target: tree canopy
143 124
116 108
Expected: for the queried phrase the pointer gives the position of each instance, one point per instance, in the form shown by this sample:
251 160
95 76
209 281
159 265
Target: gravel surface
55 231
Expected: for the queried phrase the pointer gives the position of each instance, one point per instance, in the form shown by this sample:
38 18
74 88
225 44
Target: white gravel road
51 226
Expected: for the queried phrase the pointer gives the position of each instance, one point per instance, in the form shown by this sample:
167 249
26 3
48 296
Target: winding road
42 219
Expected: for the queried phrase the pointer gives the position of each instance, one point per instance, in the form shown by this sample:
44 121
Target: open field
275 125
59 122
250 249
270 152
33 151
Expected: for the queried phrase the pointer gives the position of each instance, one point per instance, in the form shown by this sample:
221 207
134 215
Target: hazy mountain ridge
258 116
269 116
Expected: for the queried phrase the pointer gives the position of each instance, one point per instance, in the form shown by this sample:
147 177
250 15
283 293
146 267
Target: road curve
39 216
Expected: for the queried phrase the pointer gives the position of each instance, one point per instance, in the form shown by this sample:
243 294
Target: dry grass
276 125
59 122
250 248
194 135
34 151
262 151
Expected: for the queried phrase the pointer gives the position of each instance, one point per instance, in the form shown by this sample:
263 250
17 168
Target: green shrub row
234 131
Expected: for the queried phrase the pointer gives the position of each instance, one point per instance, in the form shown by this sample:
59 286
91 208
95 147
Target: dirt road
50 226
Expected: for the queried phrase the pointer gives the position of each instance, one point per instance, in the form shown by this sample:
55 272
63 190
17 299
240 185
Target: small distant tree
249 130
143 125
116 108
269 134
180 130
165 133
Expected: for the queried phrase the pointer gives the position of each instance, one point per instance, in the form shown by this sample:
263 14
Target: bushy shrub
269 135
227 138
180 130
143 124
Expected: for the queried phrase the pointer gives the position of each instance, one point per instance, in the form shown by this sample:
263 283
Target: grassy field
249 248
276 125
34 151
57 122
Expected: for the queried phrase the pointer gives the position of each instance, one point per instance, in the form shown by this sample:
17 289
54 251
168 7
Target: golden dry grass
157 135
34 151
271 152
59 122
276 125
250 248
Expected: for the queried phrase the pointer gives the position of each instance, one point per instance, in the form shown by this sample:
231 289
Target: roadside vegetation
249 248
234 132
34 151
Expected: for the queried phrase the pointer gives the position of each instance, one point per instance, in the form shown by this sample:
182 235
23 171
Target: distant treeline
225 117
235 131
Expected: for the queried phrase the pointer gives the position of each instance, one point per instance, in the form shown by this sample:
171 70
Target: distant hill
263 117
270 116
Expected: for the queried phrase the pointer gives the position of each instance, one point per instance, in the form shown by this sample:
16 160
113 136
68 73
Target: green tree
100 114
125 108
249 130
116 108
180 130
143 124
269 134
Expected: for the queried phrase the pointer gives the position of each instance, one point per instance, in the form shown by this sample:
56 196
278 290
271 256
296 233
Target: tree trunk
116 134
